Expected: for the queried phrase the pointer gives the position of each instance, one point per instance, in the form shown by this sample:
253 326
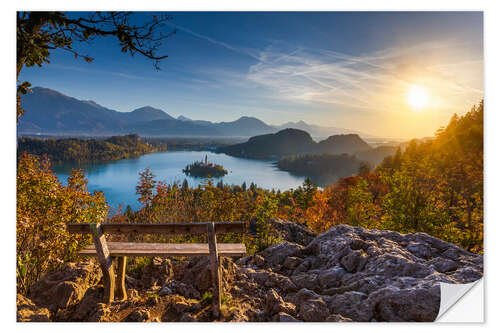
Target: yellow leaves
44 207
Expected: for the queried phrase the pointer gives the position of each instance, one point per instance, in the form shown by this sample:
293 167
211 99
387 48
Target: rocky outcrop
66 287
345 274
28 311
351 273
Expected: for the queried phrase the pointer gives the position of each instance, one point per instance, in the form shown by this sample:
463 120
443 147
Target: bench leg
121 291
105 262
214 269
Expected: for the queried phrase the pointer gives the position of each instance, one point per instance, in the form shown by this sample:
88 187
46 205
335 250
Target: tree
145 187
44 207
364 168
38 33
265 210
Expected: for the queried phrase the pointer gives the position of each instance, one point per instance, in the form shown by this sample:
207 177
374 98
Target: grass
135 267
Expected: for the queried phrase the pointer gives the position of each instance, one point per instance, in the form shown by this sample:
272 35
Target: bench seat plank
118 249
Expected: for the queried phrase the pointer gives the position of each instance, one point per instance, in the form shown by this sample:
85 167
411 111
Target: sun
418 97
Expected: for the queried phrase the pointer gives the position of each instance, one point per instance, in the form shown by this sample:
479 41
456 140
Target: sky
388 74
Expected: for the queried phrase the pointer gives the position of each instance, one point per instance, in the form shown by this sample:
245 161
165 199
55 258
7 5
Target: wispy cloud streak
375 81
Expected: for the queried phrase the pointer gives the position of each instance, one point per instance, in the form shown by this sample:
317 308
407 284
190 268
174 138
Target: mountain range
50 112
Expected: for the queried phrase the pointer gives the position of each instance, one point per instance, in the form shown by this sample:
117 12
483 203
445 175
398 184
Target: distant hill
271 146
376 155
88 150
244 126
342 143
321 131
146 113
49 112
294 142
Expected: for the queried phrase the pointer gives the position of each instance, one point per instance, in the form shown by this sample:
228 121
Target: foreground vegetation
434 187
89 150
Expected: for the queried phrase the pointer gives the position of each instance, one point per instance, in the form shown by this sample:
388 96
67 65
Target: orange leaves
44 207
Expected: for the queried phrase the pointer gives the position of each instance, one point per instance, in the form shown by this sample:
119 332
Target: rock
66 287
314 310
187 317
158 272
305 280
337 318
284 318
421 250
258 260
182 305
354 261
101 311
331 277
274 304
90 308
277 254
446 265
28 311
293 232
198 274
292 262
138 315
303 295
132 294
165 291
416 304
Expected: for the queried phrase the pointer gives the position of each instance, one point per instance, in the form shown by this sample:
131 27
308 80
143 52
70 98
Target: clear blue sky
351 70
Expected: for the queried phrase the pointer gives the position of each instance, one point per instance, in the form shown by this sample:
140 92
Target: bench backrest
158 228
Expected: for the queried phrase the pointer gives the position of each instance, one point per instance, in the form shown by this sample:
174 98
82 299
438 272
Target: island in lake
204 169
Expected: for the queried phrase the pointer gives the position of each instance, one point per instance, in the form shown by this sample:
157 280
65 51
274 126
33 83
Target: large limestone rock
354 274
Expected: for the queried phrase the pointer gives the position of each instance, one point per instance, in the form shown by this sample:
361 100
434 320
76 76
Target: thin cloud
217 42
369 81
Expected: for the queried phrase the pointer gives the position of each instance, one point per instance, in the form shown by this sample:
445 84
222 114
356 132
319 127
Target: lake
117 179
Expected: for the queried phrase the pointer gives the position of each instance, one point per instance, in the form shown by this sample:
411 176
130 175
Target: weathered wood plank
117 249
105 261
158 228
214 268
121 291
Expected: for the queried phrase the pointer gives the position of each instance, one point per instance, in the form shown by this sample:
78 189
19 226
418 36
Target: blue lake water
118 179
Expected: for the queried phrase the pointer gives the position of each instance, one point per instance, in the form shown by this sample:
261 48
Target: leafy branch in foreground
39 33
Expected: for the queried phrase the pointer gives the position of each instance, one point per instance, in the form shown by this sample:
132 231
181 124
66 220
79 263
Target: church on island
204 169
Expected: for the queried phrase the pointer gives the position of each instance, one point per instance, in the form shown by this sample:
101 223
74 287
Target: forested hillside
88 150
292 141
323 169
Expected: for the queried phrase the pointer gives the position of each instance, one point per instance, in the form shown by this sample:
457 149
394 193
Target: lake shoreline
117 179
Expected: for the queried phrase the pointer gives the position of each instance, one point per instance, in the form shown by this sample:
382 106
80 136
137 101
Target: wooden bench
105 252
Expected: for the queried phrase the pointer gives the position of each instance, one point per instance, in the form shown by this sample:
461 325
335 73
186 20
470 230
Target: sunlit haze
399 75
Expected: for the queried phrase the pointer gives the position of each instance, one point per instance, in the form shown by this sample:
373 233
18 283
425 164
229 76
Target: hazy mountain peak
182 118
149 113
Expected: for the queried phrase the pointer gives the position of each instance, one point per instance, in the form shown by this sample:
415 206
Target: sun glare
418 97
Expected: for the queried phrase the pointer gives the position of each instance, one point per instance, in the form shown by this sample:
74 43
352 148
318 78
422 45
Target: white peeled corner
462 303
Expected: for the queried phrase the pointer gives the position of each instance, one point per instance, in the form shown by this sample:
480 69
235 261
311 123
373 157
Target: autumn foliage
44 207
